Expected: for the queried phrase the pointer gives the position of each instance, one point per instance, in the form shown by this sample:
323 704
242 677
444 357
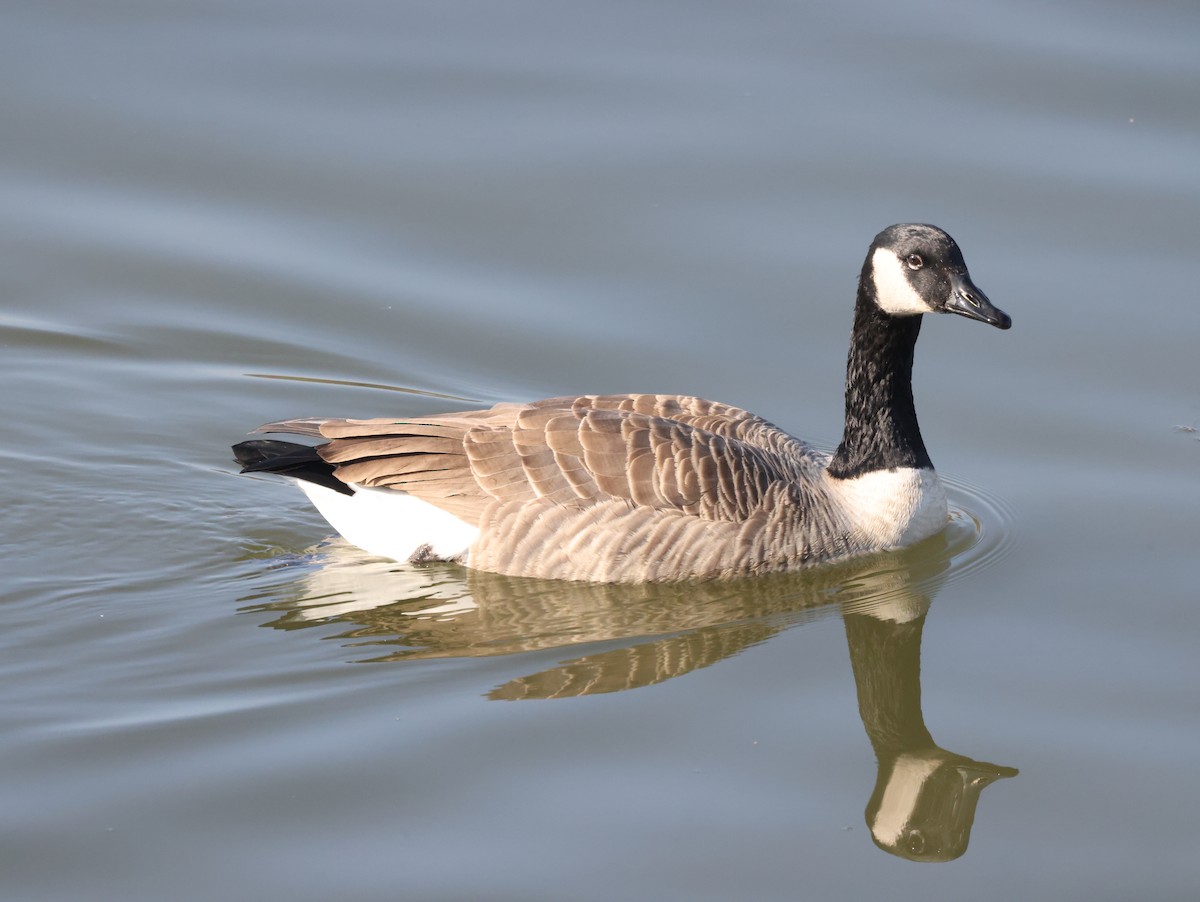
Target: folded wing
656 451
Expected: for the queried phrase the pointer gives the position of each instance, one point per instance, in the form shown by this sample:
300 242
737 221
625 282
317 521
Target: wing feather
664 452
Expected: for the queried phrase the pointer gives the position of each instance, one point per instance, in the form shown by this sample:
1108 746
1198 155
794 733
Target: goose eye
914 261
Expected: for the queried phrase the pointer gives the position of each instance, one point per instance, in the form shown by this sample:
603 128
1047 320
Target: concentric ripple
981 533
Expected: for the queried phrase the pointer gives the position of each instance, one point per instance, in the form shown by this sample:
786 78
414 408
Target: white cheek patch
900 797
893 292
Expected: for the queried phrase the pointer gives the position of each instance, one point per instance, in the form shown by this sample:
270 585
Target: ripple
404 389
981 533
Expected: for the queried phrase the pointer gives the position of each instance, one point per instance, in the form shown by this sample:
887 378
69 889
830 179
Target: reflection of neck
886 658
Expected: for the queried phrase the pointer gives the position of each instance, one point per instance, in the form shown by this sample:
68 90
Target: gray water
218 214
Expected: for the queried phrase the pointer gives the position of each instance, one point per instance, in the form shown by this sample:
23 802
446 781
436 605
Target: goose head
924 803
914 268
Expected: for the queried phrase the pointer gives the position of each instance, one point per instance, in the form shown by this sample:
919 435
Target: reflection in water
923 805
924 801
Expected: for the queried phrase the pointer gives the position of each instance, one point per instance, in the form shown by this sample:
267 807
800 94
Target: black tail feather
288 459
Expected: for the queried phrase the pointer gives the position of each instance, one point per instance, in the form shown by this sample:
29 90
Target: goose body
634 488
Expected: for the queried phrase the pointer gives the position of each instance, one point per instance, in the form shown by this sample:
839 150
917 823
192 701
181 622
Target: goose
647 487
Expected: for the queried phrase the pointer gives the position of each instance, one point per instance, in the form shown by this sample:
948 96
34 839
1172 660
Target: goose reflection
924 801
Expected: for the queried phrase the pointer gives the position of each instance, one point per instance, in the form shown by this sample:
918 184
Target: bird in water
650 488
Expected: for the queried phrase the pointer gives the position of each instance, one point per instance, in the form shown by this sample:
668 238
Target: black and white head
915 268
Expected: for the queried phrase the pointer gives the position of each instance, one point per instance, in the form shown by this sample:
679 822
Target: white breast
893 508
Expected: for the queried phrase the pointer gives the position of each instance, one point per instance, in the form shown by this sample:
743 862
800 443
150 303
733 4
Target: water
219 214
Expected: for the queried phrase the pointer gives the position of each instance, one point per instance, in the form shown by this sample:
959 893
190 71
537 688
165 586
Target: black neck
881 430
886 658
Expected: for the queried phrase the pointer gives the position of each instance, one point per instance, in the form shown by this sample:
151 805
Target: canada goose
640 488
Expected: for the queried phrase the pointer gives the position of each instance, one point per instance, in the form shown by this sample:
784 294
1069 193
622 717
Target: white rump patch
893 292
392 524
895 508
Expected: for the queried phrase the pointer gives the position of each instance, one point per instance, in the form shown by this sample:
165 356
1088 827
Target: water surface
215 215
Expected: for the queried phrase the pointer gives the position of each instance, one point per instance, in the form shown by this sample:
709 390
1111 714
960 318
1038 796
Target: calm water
214 215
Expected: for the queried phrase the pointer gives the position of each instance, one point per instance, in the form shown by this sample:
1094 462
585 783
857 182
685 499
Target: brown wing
711 416
657 451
